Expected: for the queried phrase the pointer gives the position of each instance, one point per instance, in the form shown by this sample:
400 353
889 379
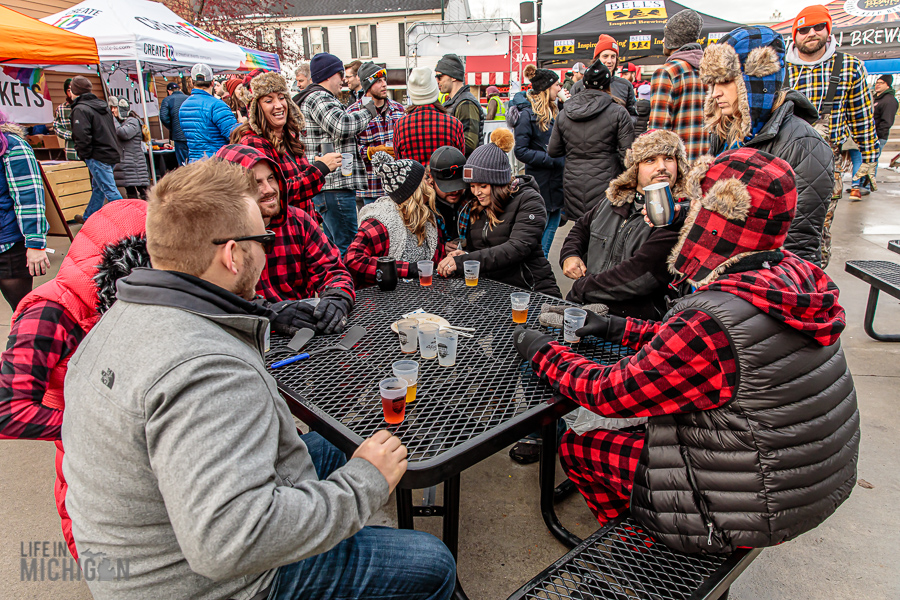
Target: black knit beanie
400 178
597 77
541 79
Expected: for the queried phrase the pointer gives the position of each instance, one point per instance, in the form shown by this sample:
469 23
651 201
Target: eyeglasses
438 76
377 75
266 240
819 27
454 172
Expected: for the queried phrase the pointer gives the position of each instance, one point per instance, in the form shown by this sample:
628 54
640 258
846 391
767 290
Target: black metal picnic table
461 415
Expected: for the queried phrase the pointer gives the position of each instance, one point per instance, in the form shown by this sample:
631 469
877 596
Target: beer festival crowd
734 423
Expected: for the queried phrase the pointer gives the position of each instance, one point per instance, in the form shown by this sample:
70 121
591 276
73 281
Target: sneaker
855 195
78 219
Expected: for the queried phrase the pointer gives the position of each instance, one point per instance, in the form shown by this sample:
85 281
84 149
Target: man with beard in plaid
752 430
301 262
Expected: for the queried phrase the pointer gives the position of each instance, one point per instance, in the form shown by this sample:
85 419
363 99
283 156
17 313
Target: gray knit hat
682 28
80 85
490 163
400 178
452 65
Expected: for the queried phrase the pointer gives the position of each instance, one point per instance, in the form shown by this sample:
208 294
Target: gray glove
552 316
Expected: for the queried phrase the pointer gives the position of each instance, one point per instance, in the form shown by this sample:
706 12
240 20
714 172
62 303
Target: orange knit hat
812 15
606 42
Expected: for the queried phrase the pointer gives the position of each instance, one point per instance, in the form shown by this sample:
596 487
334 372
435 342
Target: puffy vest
465 95
773 463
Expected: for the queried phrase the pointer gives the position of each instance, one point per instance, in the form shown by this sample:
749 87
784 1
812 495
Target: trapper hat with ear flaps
752 57
747 200
653 143
270 83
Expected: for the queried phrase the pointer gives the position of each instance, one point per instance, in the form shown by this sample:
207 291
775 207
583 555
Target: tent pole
140 76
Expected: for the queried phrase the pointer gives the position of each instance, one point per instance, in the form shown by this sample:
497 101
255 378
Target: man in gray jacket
186 474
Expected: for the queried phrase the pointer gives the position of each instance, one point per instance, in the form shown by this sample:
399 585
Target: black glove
412 271
291 316
370 106
607 327
529 341
331 313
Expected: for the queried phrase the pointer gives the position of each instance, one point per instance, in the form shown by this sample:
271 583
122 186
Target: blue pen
289 361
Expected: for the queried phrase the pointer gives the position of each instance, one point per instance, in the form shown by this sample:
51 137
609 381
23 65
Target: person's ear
229 256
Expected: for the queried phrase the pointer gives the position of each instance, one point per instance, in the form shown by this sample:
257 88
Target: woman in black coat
503 224
533 130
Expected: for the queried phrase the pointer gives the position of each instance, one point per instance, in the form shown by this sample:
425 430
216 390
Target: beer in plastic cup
426 269
393 399
428 340
346 164
407 370
408 332
573 320
520 302
471 268
447 340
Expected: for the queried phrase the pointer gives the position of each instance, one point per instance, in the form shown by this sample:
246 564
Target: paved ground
503 542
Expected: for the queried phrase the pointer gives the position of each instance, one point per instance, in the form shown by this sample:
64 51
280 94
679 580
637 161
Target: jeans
103 185
377 562
338 210
550 231
856 159
181 153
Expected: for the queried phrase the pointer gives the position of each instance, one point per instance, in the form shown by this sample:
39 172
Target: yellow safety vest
501 108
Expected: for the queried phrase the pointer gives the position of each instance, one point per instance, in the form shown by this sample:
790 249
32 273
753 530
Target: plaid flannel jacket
371 242
418 134
303 262
853 112
676 104
62 125
380 132
39 339
326 121
23 177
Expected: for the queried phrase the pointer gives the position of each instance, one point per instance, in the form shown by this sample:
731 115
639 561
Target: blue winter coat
168 114
531 149
207 123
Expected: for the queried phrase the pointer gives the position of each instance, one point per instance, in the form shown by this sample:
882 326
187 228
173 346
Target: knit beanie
324 65
812 15
490 163
597 77
422 87
232 83
492 90
452 65
80 85
270 83
606 42
888 79
682 28
366 70
541 79
400 178
67 84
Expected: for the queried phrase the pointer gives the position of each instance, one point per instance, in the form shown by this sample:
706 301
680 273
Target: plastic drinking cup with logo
426 269
519 301
408 332
573 320
346 164
407 370
428 340
447 340
393 399
471 269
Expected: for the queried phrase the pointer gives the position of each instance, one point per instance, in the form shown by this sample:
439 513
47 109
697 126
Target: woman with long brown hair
401 225
273 127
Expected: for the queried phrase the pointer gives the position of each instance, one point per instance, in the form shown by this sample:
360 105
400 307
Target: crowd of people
177 452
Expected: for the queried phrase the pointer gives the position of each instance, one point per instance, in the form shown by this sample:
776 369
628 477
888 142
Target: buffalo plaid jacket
371 242
380 132
676 103
22 178
418 134
39 339
853 112
303 263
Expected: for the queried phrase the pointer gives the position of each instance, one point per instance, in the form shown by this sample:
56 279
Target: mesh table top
490 389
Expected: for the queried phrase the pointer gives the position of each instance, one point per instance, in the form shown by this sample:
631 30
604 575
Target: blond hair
544 108
418 210
729 127
194 205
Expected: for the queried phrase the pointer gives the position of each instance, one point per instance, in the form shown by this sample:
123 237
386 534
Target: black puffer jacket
789 136
94 131
531 149
593 132
511 251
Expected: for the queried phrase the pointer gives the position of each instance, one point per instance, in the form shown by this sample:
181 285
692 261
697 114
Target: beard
268 213
379 95
812 46
245 286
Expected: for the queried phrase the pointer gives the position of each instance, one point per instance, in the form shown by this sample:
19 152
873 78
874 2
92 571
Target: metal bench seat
883 276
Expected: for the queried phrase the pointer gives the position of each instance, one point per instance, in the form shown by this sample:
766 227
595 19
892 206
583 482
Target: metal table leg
404 509
548 484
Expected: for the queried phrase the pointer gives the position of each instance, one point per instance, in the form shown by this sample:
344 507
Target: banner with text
24 96
123 85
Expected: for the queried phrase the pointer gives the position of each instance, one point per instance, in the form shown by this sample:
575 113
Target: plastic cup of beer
393 399
573 320
346 164
428 340
408 332
447 340
471 268
407 370
426 269
520 302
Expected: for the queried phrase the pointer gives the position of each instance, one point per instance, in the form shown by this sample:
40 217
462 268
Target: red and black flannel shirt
682 365
40 338
302 180
676 103
303 262
418 134
371 242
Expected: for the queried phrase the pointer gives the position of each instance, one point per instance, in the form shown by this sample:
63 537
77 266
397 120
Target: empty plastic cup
393 399
447 340
519 301
426 269
471 269
428 340
346 164
408 332
407 370
573 320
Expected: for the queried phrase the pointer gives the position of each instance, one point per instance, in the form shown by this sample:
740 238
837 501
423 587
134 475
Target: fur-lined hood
653 143
270 83
13 128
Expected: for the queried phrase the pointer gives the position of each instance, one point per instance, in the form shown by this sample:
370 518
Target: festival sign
24 96
125 85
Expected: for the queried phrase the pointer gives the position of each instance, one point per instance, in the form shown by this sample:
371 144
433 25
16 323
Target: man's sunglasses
381 73
819 27
267 240
454 172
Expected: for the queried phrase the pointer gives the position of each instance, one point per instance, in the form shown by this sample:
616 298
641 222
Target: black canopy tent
637 26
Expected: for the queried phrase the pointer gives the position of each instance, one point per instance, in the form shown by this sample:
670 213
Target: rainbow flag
257 59
29 77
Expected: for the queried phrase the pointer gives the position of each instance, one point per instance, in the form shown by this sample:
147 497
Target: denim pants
377 562
553 219
338 210
103 185
181 153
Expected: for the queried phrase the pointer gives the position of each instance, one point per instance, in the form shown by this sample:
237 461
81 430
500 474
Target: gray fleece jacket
183 462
